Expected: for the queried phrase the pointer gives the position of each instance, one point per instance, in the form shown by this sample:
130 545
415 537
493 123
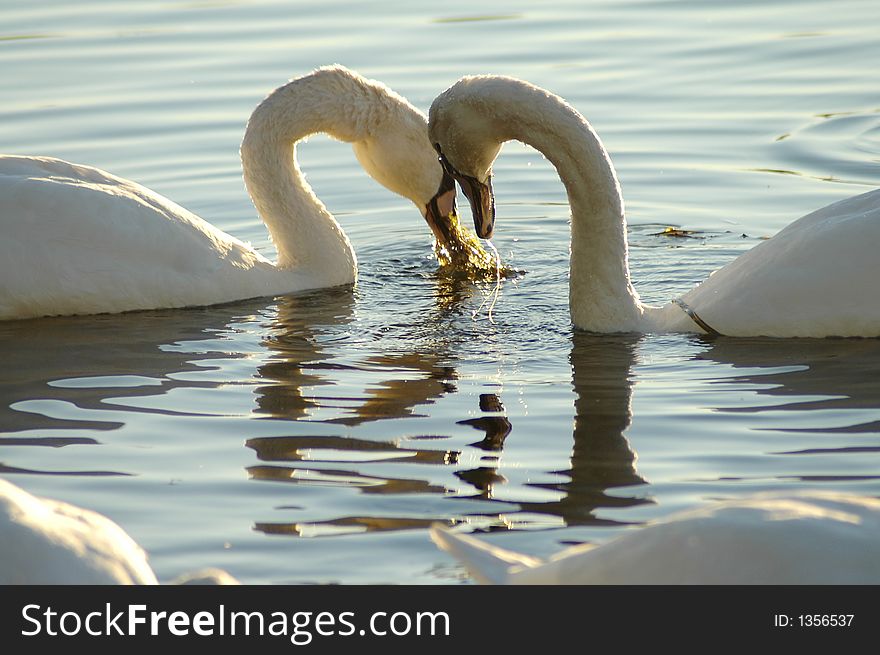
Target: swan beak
440 211
482 201
480 196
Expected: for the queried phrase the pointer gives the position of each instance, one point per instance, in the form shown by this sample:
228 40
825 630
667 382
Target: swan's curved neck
601 296
305 234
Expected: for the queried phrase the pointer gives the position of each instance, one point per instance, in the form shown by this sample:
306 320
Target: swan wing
808 538
772 538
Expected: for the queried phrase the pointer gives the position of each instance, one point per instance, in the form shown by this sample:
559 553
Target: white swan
46 541
816 278
807 538
78 240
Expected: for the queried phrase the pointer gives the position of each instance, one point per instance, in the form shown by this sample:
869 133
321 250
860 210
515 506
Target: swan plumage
79 240
815 278
44 541
769 538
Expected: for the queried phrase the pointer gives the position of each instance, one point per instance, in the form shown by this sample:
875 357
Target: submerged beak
440 211
456 249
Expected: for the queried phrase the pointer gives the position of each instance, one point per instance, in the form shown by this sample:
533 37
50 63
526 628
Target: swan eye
449 170
447 167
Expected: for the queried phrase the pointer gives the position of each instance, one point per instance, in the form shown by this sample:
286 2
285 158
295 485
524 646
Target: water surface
313 438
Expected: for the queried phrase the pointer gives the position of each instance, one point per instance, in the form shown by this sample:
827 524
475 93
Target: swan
815 278
78 240
45 541
770 538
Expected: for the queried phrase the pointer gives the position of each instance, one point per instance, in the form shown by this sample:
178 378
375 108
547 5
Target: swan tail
487 564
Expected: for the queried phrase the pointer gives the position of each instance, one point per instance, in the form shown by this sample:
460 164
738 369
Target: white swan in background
78 240
46 541
805 538
815 278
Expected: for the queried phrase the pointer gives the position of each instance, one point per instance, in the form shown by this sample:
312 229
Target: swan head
389 137
395 151
467 142
390 140
402 160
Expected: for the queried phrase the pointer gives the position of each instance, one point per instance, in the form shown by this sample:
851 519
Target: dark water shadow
413 371
601 458
839 374
37 354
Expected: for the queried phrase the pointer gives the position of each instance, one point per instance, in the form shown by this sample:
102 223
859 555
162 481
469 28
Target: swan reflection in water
334 383
64 358
601 457
412 372
65 377
822 397
602 472
303 340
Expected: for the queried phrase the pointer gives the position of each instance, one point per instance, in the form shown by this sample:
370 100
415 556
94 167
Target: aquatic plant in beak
458 251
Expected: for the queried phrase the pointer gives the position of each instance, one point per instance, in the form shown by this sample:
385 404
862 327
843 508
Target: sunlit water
313 438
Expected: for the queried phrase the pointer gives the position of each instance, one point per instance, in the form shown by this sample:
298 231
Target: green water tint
462 254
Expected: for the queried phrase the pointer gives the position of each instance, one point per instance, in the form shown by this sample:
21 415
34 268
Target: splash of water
463 255
494 295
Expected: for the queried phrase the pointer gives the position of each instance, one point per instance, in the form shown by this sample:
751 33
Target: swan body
45 541
78 240
808 538
815 278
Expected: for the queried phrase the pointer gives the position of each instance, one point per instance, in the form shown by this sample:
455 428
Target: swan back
806 538
45 541
817 277
78 240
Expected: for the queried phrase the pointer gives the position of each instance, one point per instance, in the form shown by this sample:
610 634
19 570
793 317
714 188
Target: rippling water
312 438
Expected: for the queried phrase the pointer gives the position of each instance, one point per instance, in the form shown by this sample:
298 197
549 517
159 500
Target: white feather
45 541
773 538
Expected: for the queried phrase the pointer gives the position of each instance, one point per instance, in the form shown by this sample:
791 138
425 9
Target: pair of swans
770 538
44 541
77 240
